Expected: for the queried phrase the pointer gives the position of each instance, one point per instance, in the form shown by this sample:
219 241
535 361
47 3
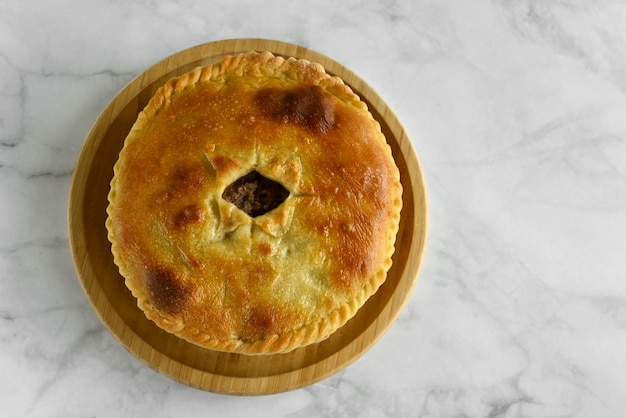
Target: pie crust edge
261 64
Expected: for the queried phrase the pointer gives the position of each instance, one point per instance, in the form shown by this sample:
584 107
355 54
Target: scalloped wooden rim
410 259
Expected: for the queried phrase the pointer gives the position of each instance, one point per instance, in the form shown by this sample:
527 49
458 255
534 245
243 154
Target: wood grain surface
183 361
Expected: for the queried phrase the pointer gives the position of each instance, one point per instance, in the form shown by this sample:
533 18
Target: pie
254 205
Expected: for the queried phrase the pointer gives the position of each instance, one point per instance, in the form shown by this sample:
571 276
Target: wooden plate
185 362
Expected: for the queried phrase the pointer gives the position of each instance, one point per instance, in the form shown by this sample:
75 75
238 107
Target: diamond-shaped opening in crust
255 194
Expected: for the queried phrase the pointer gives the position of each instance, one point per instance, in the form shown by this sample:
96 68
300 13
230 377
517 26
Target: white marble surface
517 110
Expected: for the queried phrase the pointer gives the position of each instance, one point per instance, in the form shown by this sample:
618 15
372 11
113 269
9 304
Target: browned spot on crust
265 248
167 291
223 164
188 178
184 181
261 322
191 214
308 106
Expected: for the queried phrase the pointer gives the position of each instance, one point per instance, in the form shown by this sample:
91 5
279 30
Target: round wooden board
185 362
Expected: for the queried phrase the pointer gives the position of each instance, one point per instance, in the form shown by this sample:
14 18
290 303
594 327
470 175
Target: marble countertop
517 110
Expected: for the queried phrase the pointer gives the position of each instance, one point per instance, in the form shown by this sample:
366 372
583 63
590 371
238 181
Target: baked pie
254 205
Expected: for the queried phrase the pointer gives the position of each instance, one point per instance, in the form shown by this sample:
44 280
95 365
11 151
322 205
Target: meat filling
255 194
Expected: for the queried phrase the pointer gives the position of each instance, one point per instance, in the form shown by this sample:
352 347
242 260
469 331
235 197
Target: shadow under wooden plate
179 359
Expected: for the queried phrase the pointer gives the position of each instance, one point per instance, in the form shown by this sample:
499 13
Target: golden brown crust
206 271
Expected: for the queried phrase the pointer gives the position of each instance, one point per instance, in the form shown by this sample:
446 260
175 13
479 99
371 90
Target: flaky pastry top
206 271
